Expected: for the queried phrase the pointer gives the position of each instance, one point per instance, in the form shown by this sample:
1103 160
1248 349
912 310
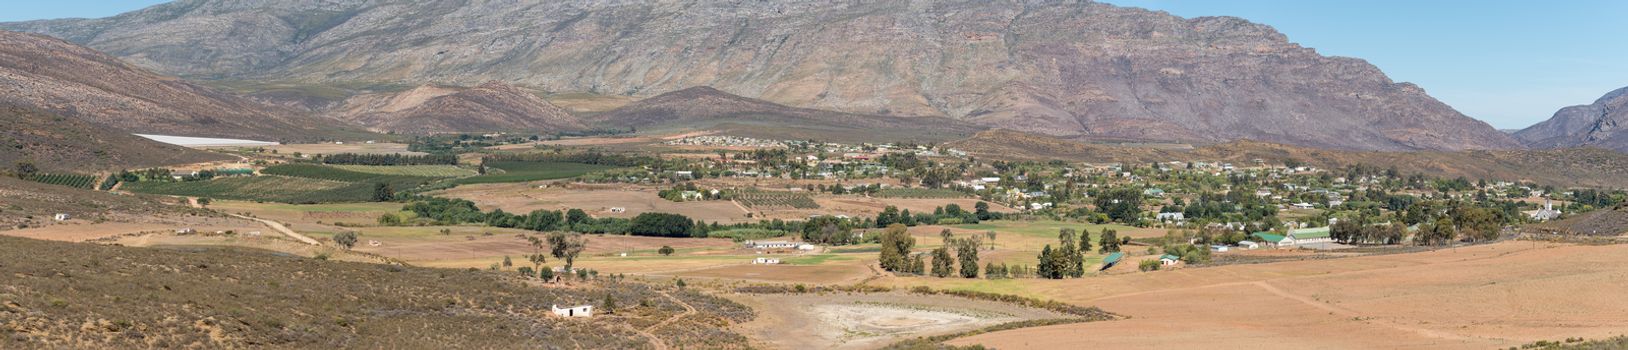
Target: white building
575 311
1171 217
1547 213
60 217
771 245
1248 245
766 261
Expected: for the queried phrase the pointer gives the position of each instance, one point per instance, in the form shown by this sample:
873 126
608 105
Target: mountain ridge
1066 69
48 74
1598 124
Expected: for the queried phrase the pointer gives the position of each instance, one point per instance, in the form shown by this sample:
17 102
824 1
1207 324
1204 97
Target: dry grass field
1480 297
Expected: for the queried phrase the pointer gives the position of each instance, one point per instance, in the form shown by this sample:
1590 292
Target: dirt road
275 226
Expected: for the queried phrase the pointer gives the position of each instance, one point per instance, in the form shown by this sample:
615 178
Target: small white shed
574 311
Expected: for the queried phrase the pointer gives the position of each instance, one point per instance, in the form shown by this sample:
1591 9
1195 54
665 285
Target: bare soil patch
1489 296
870 320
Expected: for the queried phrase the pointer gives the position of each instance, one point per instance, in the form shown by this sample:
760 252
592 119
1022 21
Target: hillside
76 295
1603 222
705 108
39 72
1060 68
57 143
1594 125
1560 167
434 109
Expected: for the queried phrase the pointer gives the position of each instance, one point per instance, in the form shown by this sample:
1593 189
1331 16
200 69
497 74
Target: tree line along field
517 171
770 200
920 193
70 180
261 188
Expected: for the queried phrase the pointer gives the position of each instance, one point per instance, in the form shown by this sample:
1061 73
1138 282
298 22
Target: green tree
345 239
967 251
609 305
665 250
942 263
889 216
546 273
390 219
982 210
566 246
507 262
1045 269
896 245
1109 242
383 192
1123 205
26 169
1085 242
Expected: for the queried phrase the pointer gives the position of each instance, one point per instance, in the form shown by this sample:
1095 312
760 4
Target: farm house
574 311
1169 260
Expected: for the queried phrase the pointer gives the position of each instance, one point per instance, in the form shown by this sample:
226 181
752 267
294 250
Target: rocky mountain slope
437 109
705 108
1600 124
58 143
48 74
1061 68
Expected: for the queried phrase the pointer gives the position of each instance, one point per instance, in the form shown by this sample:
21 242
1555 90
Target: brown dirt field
520 198
270 242
843 273
459 251
1490 296
870 320
79 231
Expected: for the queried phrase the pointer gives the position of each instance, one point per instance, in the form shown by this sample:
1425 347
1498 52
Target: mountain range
1078 69
1600 124
54 76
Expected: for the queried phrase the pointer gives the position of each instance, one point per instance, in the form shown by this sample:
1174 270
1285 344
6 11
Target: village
715 210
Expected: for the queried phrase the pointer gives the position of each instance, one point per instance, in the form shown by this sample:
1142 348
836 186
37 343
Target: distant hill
1066 68
1602 124
705 108
89 296
67 144
40 72
436 109
1560 167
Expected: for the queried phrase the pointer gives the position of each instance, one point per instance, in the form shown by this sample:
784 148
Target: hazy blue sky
1510 63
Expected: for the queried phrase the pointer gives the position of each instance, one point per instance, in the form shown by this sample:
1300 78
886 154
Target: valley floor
1491 296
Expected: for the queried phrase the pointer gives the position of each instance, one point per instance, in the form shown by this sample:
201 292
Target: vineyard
261 188
326 172
410 170
920 193
775 200
70 180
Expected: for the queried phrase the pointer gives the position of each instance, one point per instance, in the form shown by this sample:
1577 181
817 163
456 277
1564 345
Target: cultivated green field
261 188
498 172
410 170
